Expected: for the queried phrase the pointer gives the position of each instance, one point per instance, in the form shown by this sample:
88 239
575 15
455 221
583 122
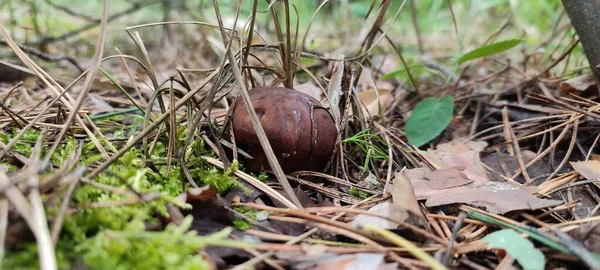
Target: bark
584 16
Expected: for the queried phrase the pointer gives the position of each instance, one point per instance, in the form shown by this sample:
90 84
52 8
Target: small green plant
263 176
369 144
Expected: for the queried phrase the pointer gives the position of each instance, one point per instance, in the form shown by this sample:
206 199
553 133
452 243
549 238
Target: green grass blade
118 85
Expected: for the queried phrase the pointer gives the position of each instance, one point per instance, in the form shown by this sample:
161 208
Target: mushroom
301 132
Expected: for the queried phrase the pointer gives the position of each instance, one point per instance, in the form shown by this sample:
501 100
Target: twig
134 8
47 57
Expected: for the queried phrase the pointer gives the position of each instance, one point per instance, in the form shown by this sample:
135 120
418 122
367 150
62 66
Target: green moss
221 181
357 193
89 235
27 258
134 248
242 224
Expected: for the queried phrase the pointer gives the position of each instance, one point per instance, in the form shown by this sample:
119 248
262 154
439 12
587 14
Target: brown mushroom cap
299 141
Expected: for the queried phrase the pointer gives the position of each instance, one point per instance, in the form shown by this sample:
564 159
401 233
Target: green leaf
488 50
428 119
517 247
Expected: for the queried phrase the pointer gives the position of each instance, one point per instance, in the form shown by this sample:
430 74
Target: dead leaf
458 154
208 210
506 165
589 235
382 209
579 83
404 207
496 197
335 89
325 260
589 169
461 178
210 216
310 89
373 104
447 178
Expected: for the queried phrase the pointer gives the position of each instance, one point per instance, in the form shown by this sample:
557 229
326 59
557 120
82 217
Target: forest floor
417 137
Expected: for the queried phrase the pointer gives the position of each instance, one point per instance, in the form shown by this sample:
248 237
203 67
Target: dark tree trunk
585 18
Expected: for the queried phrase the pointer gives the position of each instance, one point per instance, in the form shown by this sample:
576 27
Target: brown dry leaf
460 155
310 89
404 207
589 169
382 209
373 105
589 235
447 178
208 210
579 83
461 178
326 260
334 92
506 165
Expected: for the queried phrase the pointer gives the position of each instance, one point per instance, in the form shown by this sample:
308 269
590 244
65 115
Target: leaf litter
461 178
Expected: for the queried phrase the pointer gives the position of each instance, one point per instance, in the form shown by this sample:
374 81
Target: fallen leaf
506 165
447 178
590 169
461 178
382 209
403 207
579 83
495 197
458 154
210 216
373 103
589 235
208 210
323 260
335 89
310 89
